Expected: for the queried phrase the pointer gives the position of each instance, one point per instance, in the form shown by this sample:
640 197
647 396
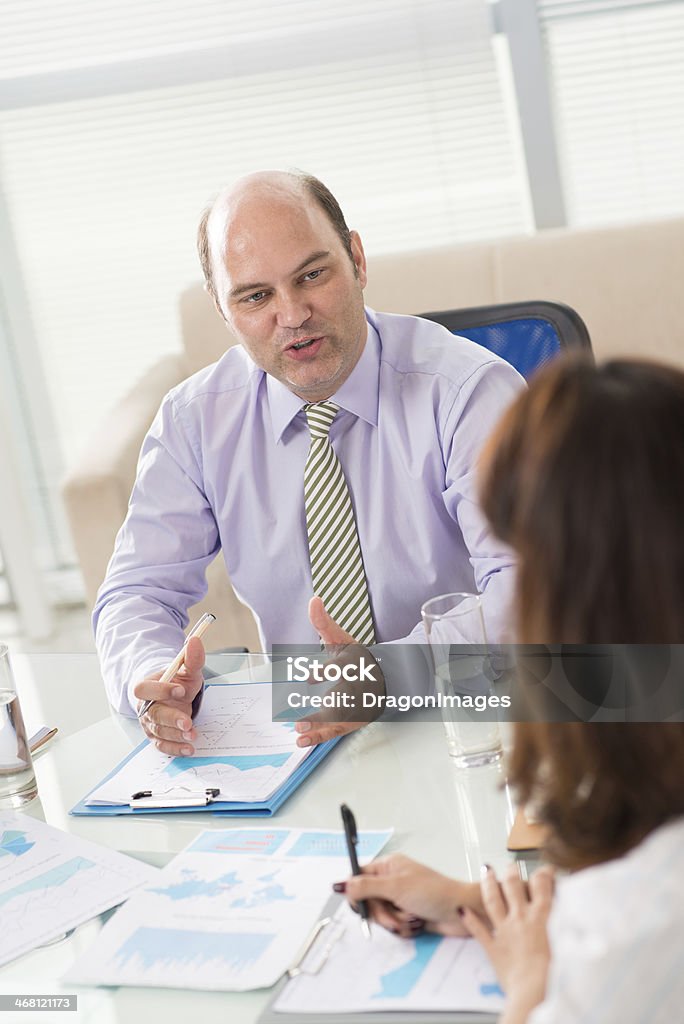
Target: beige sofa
626 283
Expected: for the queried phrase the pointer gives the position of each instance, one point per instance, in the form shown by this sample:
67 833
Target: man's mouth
306 348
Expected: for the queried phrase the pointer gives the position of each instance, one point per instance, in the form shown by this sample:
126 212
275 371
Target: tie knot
319 417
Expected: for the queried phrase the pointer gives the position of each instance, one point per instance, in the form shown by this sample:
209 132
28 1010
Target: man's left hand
326 725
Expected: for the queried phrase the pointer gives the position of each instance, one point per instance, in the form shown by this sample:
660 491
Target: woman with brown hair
584 479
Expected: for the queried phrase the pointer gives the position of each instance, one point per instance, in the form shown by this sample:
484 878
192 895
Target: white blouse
617 939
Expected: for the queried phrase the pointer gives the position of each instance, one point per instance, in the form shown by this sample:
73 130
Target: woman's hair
584 479
599 787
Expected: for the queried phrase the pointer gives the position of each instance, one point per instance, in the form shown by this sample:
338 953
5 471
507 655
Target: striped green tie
336 563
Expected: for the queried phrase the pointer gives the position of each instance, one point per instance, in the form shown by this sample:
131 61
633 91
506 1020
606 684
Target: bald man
223 464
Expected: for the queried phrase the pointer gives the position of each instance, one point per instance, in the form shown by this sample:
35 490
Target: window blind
119 120
618 89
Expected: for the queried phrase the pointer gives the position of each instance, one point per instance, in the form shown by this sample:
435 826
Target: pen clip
351 836
147 799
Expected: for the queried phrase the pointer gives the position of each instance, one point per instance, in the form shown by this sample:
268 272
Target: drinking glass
17 780
457 643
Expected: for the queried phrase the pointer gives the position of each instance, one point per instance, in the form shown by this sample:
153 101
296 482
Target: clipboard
204 800
271 1016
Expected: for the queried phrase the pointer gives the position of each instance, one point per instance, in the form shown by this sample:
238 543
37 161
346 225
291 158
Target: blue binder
222 808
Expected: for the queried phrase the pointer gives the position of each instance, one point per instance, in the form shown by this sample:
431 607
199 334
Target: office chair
525 334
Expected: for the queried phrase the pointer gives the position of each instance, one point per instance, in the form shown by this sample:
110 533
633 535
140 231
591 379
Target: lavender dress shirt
222 467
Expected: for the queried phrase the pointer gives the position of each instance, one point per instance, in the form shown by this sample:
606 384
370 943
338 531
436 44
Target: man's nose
292 311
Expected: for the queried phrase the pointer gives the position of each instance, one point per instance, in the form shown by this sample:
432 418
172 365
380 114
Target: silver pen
200 627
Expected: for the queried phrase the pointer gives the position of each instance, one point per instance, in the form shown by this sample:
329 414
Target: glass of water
457 643
17 780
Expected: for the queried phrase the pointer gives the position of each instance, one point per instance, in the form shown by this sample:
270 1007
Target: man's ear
359 257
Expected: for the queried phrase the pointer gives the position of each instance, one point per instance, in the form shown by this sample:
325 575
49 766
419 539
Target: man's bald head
287 185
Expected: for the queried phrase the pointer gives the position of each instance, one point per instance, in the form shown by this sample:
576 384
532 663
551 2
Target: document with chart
239 751
229 913
51 881
428 973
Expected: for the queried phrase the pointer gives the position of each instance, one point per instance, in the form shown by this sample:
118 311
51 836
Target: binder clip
311 959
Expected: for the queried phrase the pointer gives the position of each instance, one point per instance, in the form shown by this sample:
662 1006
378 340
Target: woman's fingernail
187 736
417 920
303 727
186 751
178 692
339 886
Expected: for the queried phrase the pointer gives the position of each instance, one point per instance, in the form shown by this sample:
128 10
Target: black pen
351 835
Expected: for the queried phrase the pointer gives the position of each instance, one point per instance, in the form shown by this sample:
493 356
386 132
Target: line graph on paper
52 893
216 732
242 724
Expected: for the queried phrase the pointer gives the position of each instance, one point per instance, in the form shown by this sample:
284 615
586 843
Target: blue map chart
243 762
172 948
244 840
191 886
260 897
14 843
397 984
49 880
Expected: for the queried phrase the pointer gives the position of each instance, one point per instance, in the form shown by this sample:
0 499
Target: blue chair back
525 334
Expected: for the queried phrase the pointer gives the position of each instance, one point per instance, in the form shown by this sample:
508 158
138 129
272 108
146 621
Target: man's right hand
168 723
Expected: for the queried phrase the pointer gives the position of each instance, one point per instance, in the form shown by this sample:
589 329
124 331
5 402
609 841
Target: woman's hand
405 897
515 937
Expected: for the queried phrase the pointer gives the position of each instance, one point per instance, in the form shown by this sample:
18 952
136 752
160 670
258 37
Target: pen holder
17 779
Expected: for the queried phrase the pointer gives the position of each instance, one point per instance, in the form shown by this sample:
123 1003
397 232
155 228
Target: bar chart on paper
166 950
204 927
226 915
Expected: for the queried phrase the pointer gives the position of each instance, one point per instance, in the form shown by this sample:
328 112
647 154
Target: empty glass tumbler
457 643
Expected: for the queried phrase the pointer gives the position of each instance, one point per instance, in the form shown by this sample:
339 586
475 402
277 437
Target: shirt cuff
142 671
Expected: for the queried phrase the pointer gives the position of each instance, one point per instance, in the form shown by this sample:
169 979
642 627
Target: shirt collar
358 395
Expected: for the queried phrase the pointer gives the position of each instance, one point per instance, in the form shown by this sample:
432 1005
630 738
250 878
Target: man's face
289 291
